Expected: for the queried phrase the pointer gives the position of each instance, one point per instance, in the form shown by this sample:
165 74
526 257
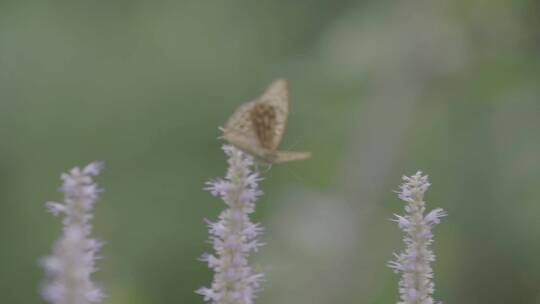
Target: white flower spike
416 284
72 262
234 236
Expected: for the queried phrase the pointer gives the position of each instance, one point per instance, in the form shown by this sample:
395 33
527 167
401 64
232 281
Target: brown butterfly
257 127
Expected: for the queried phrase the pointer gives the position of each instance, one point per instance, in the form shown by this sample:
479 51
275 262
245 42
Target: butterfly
257 127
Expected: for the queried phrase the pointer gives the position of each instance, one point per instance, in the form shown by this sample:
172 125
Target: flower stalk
233 235
416 284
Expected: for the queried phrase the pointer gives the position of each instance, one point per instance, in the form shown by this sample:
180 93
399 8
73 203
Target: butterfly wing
263 120
274 106
287 156
266 156
257 127
248 144
240 121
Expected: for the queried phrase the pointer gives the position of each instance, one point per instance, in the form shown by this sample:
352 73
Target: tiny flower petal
55 208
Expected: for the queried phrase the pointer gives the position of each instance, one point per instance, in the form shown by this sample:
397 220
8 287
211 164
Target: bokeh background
378 88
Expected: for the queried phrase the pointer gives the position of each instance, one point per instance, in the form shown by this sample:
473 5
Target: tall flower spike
234 236
68 269
416 283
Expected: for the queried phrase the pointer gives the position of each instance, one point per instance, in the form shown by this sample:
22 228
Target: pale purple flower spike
416 284
234 236
68 269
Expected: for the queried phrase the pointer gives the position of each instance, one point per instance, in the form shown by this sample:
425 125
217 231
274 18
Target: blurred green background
378 88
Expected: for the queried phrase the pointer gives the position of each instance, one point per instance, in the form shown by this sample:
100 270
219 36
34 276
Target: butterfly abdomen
264 119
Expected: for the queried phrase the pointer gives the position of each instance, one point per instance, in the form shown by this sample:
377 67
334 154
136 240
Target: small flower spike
234 236
416 284
68 269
